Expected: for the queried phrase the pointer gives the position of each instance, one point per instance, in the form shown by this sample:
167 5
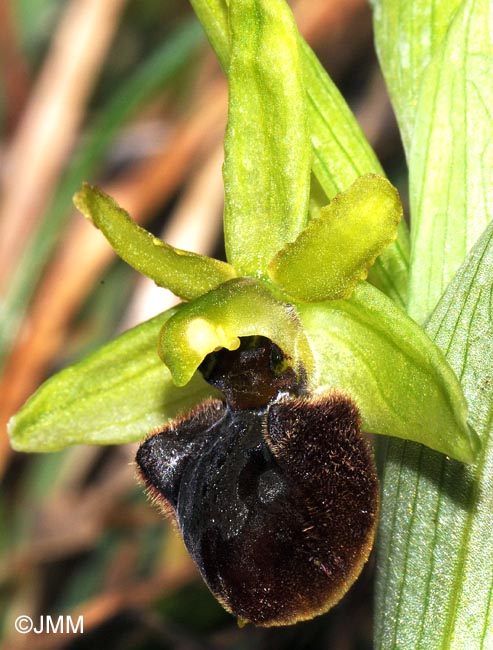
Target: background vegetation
128 95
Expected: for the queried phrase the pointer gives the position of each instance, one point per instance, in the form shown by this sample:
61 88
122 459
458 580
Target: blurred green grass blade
266 149
340 151
187 275
120 393
150 78
90 574
435 570
406 36
39 482
451 159
335 251
35 20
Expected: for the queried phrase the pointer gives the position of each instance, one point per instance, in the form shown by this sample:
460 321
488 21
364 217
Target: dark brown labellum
274 491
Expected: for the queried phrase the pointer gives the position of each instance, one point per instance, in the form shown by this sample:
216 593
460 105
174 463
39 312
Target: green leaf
240 307
187 275
118 394
334 252
407 34
340 151
267 151
434 582
367 347
451 159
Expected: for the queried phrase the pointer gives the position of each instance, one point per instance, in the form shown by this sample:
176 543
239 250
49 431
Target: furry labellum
274 491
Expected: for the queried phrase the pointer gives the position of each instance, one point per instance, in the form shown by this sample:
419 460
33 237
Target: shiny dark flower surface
274 491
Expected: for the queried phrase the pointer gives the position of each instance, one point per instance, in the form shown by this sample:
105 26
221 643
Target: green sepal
334 252
240 307
186 274
368 348
267 149
118 394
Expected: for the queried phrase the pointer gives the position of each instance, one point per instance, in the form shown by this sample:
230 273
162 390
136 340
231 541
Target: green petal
267 150
398 377
118 394
187 275
240 307
335 251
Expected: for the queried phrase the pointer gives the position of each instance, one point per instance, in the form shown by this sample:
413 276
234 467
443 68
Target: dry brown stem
47 130
13 66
